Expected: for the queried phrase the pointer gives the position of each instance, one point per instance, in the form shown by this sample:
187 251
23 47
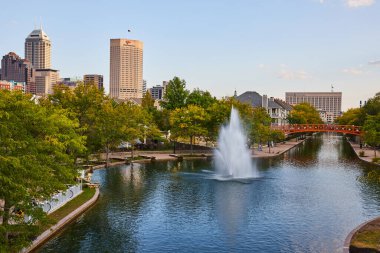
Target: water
307 200
232 158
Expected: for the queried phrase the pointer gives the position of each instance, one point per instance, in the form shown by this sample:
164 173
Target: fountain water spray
232 157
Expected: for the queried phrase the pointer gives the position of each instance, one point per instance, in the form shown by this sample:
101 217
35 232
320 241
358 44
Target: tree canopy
304 113
37 156
175 94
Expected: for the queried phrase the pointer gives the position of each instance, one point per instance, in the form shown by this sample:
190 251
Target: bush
361 153
376 160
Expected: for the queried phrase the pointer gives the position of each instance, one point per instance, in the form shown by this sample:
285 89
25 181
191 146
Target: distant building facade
12 85
69 82
46 79
277 109
13 68
126 68
94 79
328 102
38 49
157 92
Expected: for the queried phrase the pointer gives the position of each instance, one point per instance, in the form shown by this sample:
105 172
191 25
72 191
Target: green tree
304 113
148 103
371 131
85 104
350 117
259 126
188 122
175 94
37 149
200 98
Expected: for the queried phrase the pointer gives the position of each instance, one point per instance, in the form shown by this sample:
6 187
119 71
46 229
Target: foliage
188 122
371 131
200 98
85 104
350 117
38 146
175 94
148 103
304 113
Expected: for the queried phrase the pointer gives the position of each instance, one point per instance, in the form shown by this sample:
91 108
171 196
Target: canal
306 200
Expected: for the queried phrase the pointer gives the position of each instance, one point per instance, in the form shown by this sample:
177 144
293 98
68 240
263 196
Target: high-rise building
96 80
46 79
126 68
38 49
144 87
13 68
329 102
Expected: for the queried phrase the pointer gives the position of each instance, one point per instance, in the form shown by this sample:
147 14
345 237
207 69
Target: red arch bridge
308 128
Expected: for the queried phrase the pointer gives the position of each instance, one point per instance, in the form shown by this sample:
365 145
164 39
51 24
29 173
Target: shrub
361 153
376 160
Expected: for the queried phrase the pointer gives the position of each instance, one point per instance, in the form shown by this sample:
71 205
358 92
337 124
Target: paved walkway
368 152
279 149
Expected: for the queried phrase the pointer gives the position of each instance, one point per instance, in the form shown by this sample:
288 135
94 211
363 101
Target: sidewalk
369 154
279 149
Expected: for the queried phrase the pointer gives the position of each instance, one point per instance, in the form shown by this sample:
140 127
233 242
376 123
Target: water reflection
305 201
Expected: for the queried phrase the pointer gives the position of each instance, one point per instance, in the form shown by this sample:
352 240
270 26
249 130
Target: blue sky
268 46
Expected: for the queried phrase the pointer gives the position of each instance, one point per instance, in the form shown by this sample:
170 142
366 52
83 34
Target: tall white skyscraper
126 68
38 49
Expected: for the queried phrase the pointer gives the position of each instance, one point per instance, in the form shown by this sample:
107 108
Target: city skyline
269 47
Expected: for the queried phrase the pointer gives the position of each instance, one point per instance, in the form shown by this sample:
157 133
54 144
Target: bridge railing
298 128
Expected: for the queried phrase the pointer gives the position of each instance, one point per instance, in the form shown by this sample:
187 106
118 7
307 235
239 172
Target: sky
268 46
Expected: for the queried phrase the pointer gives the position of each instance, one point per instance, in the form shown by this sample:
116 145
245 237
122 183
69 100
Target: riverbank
149 156
277 150
364 238
65 215
368 154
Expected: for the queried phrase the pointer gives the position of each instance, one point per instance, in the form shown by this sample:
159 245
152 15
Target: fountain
232 158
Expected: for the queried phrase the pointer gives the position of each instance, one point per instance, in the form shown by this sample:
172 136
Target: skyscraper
126 68
38 49
13 68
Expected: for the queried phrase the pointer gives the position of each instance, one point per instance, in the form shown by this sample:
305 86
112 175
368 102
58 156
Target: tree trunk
6 220
107 155
191 145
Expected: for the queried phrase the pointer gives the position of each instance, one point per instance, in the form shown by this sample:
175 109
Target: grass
72 205
369 239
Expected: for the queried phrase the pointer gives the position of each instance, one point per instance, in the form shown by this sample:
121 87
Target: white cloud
374 62
261 66
359 3
353 71
293 75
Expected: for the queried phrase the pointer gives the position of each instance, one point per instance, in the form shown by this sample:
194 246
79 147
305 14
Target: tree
148 103
37 149
371 131
200 98
188 122
259 126
350 117
175 94
304 113
84 104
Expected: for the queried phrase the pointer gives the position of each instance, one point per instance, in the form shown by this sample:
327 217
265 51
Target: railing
302 128
61 198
